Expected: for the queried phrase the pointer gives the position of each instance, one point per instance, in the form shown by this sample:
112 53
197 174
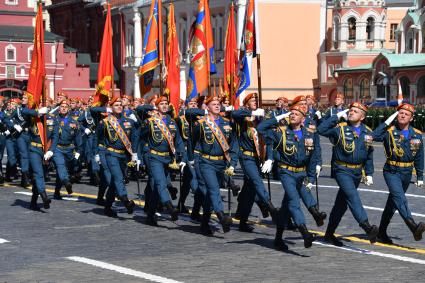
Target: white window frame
331 69
14 68
30 49
22 71
6 49
11 2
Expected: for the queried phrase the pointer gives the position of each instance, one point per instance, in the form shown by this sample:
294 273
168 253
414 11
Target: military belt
348 165
159 153
65 145
196 151
101 145
36 144
248 153
400 164
120 151
213 157
292 168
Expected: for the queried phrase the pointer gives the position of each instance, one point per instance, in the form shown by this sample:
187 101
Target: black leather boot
416 229
264 209
1 178
225 221
274 212
151 220
205 226
371 231
57 194
182 208
68 187
33 204
24 180
318 216
46 200
279 244
331 239
307 236
8 177
382 234
173 192
244 226
129 204
174 213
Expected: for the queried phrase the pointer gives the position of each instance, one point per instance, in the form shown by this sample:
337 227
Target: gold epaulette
342 124
226 119
417 131
282 128
367 127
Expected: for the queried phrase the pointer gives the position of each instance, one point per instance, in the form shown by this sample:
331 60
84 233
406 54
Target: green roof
83 59
25 34
404 60
414 16
354 69
93 72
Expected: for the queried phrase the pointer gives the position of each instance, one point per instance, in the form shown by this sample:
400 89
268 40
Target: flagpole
161 47
260 92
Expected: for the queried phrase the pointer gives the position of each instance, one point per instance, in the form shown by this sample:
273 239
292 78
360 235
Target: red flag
105 74
37 72
172 61
231 58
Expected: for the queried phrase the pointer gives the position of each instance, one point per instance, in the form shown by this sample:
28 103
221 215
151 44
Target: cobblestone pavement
74 242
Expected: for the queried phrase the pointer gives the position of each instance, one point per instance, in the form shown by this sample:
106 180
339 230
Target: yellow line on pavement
320 233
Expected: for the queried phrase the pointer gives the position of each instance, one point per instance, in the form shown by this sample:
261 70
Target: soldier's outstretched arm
239 115
192 114
327 127
266 125
29 112
143 110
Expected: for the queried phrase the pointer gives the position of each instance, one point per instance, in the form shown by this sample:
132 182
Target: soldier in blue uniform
352 152
11 145
68 148
282 107
88 127
166 148
338 106
298 153
251 155
36 153
3 133
121 141
217 150
404 150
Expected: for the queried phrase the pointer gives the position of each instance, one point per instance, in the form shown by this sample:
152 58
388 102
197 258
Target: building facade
16 45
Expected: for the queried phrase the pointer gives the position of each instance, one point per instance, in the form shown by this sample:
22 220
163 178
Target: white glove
318 114
258 113
48 155
87 131
318 169
43 110
267 166
134 158
182 165
132 117
192 164
76 155
368 181
309 186
6 133
283 116
108 110
206 111
342 114
229 108
18 128
138 162
419 184
97 158
391 118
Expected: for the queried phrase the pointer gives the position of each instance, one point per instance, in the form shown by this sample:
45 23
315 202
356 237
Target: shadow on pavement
268 243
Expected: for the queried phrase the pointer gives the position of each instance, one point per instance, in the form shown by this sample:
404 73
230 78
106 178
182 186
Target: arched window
409 40
351 29
10 53
420 98
348 88
365 89
370 28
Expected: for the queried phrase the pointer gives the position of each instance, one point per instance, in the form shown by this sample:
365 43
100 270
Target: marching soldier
3 133
251 154
11 146
298 153
121 141
165 149
68 148
338 106
282 106
404 150
352 152
218 152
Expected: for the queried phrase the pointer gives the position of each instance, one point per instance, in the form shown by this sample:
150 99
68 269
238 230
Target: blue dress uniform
217 148
189 182
404 151
11 146
352 152
36 154
298 153
165 147
68 142
3 133
22 142
250 159
120 138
